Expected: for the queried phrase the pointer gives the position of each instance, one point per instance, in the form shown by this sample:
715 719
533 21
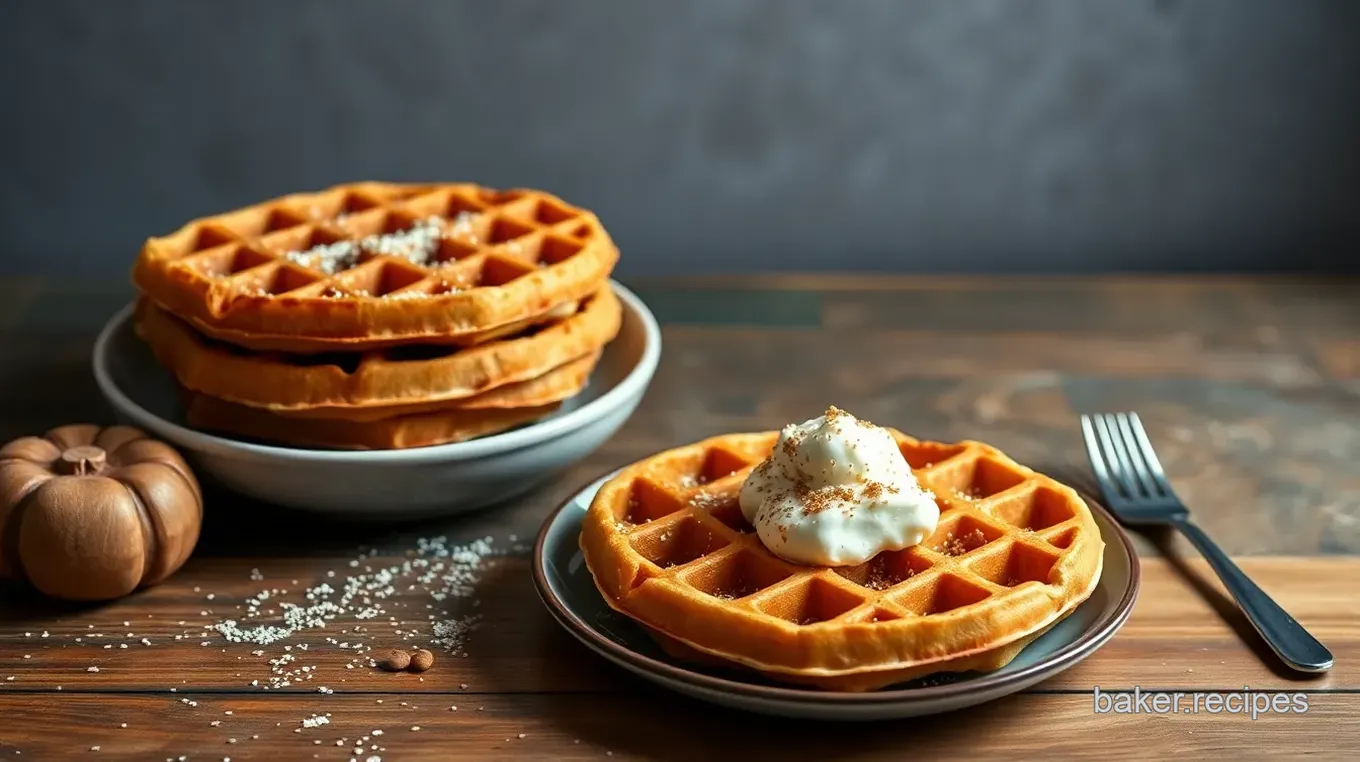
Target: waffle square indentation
353 202
725 507
736 575
649 501
376 221
382 277
677 543
507 229
458 204
940 594
927 454
208 236
497 271
717 463
276 279
556 249
226 261
963 536
808 602
975 479
450 250
281 219
1038 509
1014 565
327 206
548 212
255 221
297 239
1062 539
886 569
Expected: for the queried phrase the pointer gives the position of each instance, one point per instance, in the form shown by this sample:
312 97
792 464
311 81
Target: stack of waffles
380 316
1015 552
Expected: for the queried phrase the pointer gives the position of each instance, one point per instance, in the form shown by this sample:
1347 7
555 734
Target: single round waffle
373 265
1014 552
341 384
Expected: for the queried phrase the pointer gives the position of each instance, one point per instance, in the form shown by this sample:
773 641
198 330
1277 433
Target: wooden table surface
1250 388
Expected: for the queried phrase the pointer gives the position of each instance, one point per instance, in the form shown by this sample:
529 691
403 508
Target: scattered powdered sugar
461 227
451 633
442 573
417 244
371 606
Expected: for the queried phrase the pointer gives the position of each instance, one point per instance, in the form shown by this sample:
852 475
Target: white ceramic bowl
437 480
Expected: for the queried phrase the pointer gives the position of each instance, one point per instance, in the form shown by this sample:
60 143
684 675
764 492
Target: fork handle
1281 632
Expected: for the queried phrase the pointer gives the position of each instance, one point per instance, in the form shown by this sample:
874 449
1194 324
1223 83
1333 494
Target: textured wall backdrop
712 135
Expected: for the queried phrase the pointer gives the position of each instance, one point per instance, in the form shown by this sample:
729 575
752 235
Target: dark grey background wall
714 135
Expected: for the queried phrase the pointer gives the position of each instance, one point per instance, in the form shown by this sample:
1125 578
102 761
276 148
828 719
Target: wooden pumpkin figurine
90 513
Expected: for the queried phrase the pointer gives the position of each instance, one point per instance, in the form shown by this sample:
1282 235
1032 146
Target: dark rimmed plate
570 594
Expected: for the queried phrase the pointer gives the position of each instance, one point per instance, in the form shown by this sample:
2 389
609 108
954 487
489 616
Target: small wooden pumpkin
90 513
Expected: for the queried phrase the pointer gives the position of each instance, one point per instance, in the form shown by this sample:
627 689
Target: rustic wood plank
1184 633
1117 308
1248 386
1340 357
1266 467
647 725
1261 455
733 306
905 353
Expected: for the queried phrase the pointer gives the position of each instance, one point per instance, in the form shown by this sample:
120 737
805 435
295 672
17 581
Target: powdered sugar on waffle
417 244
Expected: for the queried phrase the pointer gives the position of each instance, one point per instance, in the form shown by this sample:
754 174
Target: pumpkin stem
85 460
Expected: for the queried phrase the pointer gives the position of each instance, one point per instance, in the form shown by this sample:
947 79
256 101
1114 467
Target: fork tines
1122 456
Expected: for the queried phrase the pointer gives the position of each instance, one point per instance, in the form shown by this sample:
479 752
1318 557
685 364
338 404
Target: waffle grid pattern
996 531
416 262
669 545
495 237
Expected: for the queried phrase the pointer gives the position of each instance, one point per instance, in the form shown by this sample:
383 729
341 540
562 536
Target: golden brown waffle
983 661
415 425
373 265
341 384
1014 553
556 385
399 432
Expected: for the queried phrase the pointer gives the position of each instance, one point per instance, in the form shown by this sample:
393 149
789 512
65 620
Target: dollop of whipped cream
836 491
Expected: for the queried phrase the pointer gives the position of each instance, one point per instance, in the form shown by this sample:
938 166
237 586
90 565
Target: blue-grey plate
570 594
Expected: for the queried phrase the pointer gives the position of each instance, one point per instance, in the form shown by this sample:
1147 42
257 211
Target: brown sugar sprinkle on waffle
998 571
371 265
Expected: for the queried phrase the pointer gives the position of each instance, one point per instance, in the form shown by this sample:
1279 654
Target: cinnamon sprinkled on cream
835 491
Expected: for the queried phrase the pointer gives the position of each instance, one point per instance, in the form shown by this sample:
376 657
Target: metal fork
1137 491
